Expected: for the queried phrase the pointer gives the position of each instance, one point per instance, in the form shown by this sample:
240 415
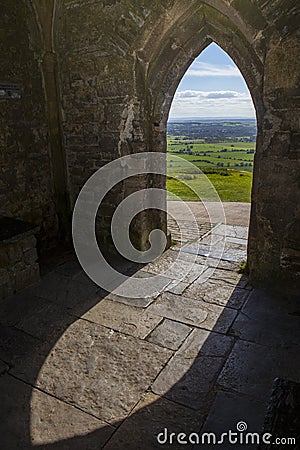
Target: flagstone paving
81 368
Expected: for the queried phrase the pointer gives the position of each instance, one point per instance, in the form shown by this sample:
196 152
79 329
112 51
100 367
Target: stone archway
181 44
162 59
118 86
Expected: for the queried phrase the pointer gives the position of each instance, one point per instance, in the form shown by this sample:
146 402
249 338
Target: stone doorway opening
212 127
165 54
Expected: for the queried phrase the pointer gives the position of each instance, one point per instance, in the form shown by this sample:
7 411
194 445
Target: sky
212 87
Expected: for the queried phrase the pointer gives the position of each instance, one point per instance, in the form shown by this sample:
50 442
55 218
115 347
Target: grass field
235 187
227 165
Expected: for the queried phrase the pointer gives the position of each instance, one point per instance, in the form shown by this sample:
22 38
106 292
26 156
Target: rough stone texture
97 82
269 320
46 321
176 287
26 190
15 308
189 376
18 262
231 231
159 283
5 284
226 249
189 382
212 262
217 292
71 293
101 371
37 419
150 417
193 312
53 421
283 412
202 342
62 387
169 334
138 302
70 268
14 426
124 318
251 368
230 277
177 266
188 231
14 344
226 244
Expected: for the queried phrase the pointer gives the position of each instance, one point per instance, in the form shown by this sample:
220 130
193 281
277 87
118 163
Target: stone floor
84 369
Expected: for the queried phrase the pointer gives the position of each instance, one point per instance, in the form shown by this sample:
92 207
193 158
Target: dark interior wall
275 246
103 111
120 63
98 78
95 73
25 183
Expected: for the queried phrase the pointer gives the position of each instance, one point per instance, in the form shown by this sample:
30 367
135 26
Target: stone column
274 231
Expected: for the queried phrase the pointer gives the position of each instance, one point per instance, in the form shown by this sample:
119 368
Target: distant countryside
222 149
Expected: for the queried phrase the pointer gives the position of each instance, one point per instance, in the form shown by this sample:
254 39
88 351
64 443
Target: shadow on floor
214 379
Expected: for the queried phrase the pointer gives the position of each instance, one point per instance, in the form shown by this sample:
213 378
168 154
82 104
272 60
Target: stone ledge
18 256
12 230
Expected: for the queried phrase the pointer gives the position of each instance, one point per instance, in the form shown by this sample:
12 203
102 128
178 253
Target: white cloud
223 94
202 69
190 103
208 94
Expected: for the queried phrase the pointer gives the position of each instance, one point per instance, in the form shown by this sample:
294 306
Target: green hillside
228 164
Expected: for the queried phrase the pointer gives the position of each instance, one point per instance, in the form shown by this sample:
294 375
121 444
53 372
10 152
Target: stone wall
111 68
18 256
26 181
103 116
120 64
274 245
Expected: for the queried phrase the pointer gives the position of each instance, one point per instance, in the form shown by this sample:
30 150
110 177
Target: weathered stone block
151 415
30 256
18 254
127 319
15 253
193 312
102 372
28 243
169 334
